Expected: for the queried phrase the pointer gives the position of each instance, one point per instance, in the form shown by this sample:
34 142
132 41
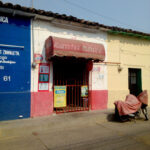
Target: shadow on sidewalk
111 117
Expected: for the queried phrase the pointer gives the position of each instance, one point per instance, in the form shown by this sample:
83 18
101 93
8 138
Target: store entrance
135 81
72 75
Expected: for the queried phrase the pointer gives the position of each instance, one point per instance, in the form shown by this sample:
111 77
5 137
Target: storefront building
73 82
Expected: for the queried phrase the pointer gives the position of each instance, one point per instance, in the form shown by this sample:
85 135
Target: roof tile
69 18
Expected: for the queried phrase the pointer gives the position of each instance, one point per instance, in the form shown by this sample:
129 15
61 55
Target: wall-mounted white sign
43 86
99 77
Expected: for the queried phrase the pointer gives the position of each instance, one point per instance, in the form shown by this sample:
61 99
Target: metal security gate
73 75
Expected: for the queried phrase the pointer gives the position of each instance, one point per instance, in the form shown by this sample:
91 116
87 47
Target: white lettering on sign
87 48
6 52
3 19
3 57
7 62
1 67
7 78
66 46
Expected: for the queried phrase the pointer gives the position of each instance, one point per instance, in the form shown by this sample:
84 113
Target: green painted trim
129 34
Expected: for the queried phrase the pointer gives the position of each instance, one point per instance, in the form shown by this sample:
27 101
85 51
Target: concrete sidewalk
93 130
27 126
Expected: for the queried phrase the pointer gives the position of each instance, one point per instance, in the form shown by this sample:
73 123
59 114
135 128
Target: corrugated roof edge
110 29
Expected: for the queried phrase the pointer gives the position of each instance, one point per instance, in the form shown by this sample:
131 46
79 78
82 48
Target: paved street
94 130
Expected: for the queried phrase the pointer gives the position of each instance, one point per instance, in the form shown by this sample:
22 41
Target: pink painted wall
41 103
98 99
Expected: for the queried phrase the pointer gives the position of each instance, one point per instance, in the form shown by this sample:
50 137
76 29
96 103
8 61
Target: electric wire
99 14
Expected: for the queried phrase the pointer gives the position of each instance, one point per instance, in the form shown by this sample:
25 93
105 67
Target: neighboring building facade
130 72
15 67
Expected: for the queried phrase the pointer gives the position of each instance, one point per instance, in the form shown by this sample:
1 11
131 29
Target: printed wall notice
59 96
43 86
44 77
99 77
84 91
44 69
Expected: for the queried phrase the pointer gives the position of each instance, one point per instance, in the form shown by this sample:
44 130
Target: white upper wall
43 29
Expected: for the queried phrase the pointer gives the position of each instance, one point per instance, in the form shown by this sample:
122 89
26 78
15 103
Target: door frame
135 76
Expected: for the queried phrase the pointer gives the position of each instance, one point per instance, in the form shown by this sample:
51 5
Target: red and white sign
43 82
44 69
67 47
38 58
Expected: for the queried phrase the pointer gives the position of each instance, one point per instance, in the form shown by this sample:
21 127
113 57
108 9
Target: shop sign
38 58
56 46
15 67
44 77
84 91
43 86
9 66
44 69
59 96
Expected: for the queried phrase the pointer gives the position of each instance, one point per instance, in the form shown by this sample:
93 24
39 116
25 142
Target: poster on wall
59 96
84 91
43 86
99 77
44 69
44 77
